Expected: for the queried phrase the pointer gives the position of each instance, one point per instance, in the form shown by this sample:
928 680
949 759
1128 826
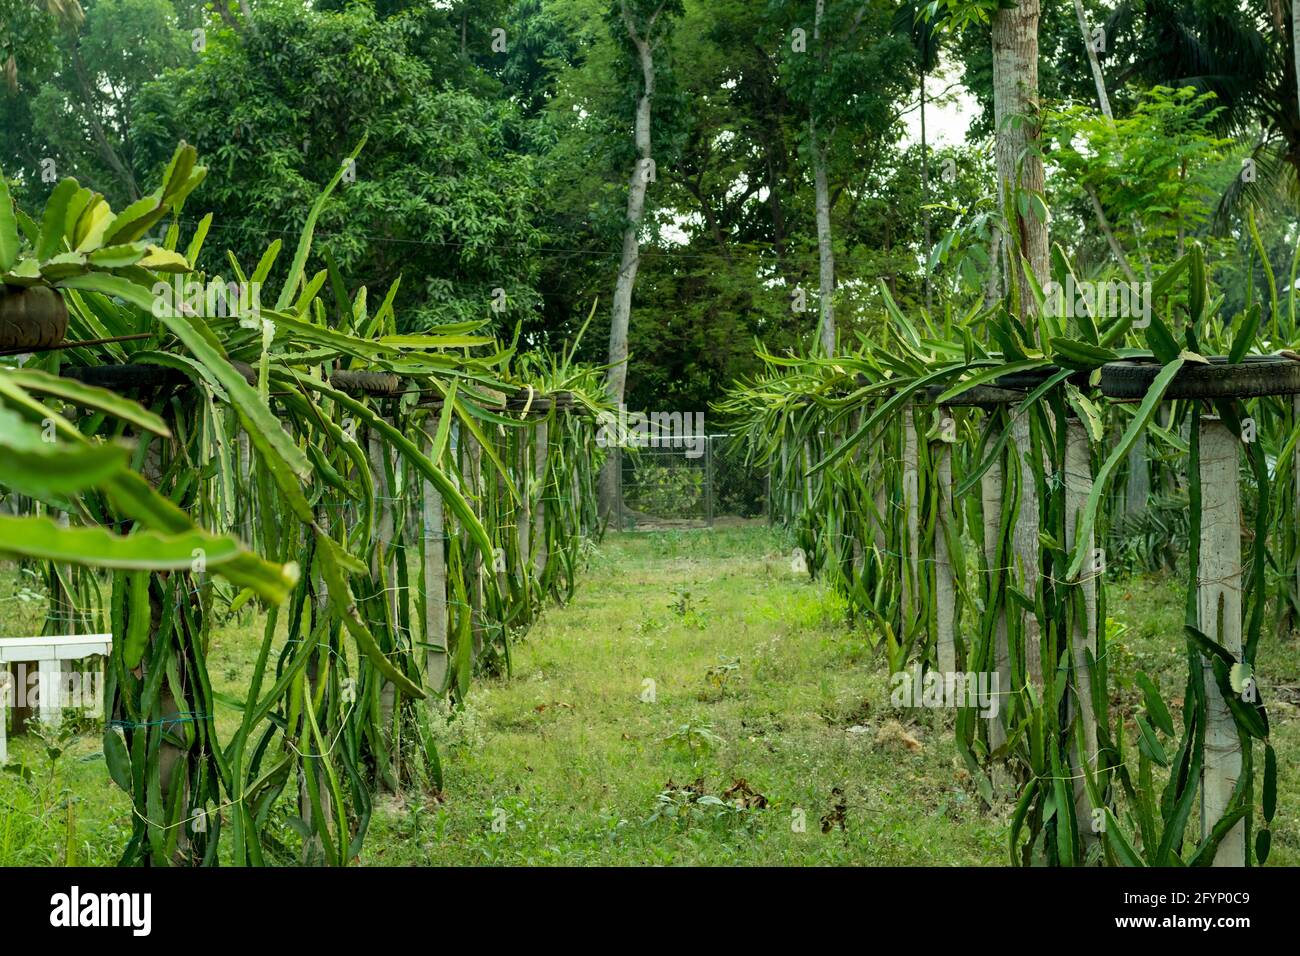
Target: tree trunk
106 149
524 513
1015 112
616 379
1115 248
859 551
312 848
1103 99
173 759
475 560
993 290
774 207
925 196
825 251
1093 60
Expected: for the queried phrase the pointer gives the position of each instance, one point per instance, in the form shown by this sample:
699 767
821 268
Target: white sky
948 117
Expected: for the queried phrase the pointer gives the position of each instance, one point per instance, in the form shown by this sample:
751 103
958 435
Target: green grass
757 681
577 760
61 810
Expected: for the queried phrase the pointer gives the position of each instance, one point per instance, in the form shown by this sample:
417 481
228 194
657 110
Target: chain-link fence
689 483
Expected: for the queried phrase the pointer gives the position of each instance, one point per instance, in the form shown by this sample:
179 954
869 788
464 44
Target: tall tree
924 34
817 147
848 79
1016 145
646 23
1090 46
1029 54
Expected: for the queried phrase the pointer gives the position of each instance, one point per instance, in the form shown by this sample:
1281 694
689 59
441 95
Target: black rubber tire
519 397
124 378
1027 381
1254 376
367 383
31 318
539 409
981 396
120 377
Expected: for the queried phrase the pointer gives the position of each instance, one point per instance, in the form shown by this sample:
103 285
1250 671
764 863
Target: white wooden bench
47 653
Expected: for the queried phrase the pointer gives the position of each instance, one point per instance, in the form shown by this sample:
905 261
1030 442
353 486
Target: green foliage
693 740
1157 171
1150 540
444 196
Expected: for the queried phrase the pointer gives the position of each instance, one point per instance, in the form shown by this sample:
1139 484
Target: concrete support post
435 574
911 508
541 446
991 501
1083 630
945 598
1218 578
1025 546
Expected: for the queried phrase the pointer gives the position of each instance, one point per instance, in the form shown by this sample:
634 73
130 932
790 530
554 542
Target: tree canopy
499 139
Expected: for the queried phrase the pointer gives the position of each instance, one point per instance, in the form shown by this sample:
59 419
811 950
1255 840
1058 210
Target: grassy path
757 685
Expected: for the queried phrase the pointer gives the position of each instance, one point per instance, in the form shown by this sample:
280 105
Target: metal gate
688 483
